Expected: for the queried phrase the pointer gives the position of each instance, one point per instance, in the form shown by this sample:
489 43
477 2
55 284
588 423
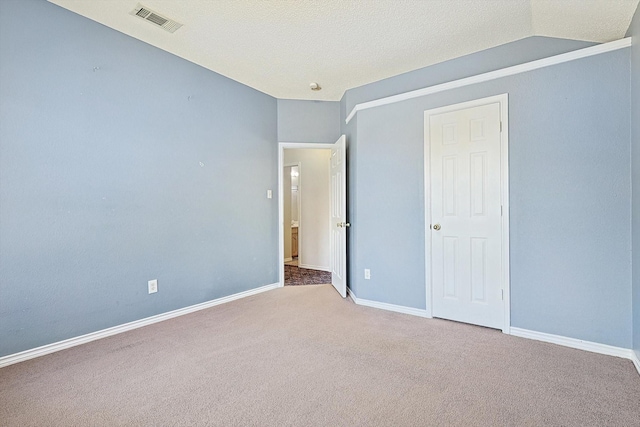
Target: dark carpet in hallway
296 276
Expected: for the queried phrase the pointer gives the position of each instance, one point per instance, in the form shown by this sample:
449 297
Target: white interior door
466 239
339 222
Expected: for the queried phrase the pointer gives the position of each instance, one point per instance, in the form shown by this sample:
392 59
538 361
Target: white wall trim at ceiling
593 347
389 307
492 75
83 339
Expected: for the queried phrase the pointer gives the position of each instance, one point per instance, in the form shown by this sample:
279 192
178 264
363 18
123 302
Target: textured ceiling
280 46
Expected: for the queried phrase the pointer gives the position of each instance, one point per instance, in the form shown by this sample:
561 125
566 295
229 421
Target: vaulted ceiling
280 46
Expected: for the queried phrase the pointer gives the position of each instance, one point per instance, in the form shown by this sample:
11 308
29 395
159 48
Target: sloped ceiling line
279 47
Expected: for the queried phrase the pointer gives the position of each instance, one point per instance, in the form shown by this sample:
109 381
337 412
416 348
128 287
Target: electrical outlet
153 286
367 274
269 194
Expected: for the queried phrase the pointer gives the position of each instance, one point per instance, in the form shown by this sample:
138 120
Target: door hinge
500 210
502 294
501 126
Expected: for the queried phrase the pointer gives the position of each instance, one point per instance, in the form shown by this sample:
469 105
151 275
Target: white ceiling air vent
154 17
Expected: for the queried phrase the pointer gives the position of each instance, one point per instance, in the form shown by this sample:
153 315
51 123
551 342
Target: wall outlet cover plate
153 286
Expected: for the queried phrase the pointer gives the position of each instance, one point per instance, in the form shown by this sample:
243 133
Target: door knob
343 224
436 227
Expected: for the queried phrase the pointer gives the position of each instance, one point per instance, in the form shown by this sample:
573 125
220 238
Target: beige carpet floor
303 356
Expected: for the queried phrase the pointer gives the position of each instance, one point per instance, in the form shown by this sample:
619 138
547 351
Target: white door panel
466 250
339 216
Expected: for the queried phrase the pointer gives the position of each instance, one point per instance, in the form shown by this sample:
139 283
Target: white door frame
503 100
281 147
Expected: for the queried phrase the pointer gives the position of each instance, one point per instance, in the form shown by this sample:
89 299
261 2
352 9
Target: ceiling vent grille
156 18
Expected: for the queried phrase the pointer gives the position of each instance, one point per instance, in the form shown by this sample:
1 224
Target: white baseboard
389 307
83 339
593 347
635 358
519 332
288 259
314 267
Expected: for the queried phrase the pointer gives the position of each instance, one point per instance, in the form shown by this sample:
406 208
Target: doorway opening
312 214
306 208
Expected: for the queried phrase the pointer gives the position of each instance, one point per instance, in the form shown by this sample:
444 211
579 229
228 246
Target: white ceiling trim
492 75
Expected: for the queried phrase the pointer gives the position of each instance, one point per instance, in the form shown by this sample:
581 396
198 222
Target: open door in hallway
339 222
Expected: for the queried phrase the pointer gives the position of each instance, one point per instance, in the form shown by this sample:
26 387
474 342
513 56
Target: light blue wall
101 187
509 54
634 31
569 194
148 167
308 121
